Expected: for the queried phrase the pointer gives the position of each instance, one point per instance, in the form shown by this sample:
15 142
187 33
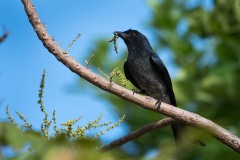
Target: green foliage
46 123
115 73
208 75
55 149
9 115
26 123
68 141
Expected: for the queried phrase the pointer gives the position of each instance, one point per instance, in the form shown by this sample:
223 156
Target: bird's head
133 38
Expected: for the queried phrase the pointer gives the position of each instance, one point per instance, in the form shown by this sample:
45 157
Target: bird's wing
128 75
161 68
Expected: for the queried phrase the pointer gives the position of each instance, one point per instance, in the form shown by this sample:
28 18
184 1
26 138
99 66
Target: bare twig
138 133
4 36
73 41
88 61
104 74
144 101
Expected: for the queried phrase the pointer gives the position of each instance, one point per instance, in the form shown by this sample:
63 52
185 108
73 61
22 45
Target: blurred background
198 40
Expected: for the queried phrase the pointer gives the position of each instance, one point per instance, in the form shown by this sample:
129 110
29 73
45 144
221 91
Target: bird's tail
178 130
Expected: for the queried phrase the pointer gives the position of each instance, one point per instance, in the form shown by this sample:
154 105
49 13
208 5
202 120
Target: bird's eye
134 34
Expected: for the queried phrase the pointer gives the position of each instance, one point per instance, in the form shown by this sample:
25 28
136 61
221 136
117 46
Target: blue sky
23 57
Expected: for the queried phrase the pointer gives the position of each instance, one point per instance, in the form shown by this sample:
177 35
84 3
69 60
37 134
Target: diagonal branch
138 133
144 101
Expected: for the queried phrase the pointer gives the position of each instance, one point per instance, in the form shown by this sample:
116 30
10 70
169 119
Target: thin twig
88 61
4 36
104 74
73 41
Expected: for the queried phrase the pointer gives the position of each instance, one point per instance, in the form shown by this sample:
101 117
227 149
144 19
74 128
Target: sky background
23 57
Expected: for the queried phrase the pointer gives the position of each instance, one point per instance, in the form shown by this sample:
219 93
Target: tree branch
144 101
138 133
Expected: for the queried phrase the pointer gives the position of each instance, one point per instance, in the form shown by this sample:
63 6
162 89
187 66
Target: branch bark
144 101
138 133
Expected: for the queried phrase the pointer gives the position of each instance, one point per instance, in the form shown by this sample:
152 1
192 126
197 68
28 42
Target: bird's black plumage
147 72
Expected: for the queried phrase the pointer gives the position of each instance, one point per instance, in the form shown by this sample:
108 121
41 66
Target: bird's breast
148 78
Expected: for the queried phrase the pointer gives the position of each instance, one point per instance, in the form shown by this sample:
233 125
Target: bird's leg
159 101
158 104
138 92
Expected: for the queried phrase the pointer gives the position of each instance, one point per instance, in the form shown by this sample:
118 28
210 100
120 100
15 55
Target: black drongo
147 72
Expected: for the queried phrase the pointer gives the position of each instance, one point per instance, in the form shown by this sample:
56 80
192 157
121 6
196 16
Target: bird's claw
138 92
158 104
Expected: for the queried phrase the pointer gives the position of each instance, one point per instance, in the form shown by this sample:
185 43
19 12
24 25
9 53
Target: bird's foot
138 92
158 104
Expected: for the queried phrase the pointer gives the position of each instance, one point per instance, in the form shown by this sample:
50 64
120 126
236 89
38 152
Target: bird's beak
120 34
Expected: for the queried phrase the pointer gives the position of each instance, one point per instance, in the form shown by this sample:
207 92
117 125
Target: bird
147 72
